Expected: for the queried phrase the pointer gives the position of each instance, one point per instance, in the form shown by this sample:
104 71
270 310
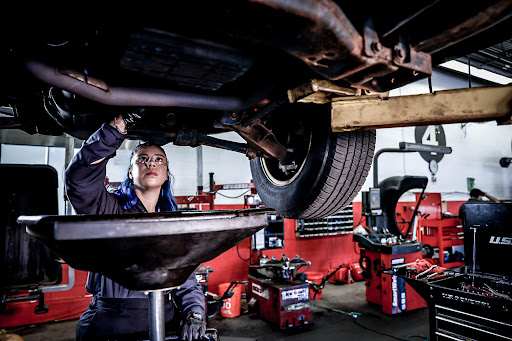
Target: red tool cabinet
442 234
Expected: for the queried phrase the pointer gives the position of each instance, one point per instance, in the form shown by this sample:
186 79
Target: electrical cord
407 338
355 250
301 273
351 314
361 220
355 317
368 229
238 196
250 253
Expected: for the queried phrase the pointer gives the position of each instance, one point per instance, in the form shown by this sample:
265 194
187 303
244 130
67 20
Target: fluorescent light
480 73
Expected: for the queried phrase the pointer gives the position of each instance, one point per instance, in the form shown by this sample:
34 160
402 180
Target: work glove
131 118
193 328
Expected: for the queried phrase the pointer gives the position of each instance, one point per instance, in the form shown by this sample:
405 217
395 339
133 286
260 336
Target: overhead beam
440 107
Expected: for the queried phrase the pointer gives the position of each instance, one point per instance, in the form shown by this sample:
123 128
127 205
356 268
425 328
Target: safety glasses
159 160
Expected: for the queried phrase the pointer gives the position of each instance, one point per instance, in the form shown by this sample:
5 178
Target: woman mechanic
116 312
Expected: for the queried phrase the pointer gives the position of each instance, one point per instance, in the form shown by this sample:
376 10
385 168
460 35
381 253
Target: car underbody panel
191 64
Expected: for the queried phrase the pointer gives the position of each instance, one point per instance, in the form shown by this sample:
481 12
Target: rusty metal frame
333 47
491 16
261 138
319 91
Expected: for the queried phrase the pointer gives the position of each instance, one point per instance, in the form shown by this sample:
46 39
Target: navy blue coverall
115 311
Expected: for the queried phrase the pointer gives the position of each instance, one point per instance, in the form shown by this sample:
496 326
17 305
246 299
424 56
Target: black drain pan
145 251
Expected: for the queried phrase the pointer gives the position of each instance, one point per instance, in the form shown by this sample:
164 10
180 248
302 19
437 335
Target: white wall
476 151
477 148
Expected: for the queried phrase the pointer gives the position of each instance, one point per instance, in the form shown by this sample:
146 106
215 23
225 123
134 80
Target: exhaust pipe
122 96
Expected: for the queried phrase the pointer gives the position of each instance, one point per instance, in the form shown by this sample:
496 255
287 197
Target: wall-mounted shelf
340 223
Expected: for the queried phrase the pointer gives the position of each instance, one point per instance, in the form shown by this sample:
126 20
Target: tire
331 167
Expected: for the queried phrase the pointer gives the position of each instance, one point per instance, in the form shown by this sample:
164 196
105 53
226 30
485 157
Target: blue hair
128 197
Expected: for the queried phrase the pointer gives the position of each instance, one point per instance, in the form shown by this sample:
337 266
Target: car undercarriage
198 69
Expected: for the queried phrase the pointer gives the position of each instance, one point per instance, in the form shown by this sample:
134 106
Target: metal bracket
319 92
261 138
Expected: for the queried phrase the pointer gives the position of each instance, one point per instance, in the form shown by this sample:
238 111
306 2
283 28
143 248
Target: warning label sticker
300 294
258 290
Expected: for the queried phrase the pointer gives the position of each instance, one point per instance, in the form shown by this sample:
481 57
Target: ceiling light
476 72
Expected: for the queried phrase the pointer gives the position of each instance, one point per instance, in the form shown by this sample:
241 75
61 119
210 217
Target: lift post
440 107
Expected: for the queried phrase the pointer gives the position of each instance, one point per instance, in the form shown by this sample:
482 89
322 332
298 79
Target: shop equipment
378 207
383 243
270 237
440 233
317 287
174 245
384 246
505 161
30 272
279 293
213 302
337 224
474 302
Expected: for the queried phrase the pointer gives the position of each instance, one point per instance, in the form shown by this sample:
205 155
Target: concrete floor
326 324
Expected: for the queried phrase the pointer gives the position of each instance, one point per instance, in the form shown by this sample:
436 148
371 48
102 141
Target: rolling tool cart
474 302
440 233
445 235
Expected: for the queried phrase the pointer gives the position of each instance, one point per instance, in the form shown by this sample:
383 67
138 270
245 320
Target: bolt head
376 46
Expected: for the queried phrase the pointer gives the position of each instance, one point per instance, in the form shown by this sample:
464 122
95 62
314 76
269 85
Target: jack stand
349 279
41 308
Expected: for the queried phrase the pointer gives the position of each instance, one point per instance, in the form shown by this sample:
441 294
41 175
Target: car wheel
330 168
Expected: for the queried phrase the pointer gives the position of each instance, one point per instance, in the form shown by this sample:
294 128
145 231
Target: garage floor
326 325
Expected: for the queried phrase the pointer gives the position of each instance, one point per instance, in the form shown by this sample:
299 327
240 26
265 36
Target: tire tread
347 168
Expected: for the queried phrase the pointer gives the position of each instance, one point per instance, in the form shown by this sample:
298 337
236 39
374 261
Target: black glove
193 328
131 118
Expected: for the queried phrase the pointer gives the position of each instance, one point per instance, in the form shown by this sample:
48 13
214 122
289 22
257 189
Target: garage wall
477 149
324 253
